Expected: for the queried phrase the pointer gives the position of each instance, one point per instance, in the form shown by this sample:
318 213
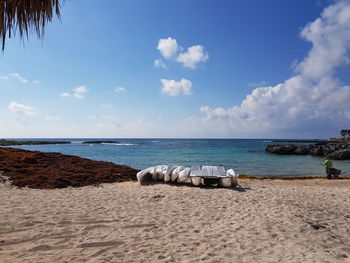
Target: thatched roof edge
23 15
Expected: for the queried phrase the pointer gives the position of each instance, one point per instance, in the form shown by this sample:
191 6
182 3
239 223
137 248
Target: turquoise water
244 156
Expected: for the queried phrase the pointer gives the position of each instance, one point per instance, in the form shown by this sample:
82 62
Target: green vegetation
345 133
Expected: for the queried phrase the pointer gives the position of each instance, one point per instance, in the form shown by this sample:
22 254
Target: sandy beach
263 221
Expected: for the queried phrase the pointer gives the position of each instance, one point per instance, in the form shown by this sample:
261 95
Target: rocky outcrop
339 151
281 149
54 170
343 154
301 150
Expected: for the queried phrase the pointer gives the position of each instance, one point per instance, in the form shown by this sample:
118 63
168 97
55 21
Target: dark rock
302 150
281 148
335 150
343 154
316 150
332 147
345 146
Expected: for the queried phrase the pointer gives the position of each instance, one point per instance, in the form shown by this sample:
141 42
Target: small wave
267 141
76 142
119 144
155 141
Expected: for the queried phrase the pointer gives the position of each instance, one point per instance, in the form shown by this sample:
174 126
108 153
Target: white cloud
20 109
119 89
167 47
218 112
193 56
78 92
18 77
159 63
313 100
53 117
176 88
66 94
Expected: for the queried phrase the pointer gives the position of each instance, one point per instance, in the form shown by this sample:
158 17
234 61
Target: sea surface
245 156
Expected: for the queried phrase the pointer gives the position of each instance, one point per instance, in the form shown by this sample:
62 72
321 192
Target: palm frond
25 15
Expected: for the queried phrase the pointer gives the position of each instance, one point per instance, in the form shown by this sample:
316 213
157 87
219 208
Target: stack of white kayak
195 175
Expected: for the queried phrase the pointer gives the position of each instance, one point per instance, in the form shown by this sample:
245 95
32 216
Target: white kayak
196 175
145 174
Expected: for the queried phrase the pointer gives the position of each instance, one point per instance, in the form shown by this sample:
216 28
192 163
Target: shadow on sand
207 187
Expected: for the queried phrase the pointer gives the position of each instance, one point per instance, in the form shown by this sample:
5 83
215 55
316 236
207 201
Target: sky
181 69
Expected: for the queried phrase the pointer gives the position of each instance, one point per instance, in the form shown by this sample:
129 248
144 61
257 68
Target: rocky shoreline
330 149
41 170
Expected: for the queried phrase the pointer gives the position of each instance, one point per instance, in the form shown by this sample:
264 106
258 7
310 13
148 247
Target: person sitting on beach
330 170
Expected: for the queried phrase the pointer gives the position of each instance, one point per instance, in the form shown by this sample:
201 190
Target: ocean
245 156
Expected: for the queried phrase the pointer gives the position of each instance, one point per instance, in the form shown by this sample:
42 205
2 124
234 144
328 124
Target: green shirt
328 163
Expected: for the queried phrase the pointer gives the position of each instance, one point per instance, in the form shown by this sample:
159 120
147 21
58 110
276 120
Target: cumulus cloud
66 94
20 109
167 47
78 92
176 88
311 100
119 89
193 56
19 77
159 63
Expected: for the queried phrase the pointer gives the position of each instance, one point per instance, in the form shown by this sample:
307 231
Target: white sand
269 221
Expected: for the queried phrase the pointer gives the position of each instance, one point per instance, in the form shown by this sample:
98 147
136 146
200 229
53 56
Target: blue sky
232 69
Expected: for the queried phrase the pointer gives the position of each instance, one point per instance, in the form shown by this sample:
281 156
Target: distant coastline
302 140
4 142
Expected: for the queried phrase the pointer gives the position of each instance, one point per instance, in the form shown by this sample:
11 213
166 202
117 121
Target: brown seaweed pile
54 170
